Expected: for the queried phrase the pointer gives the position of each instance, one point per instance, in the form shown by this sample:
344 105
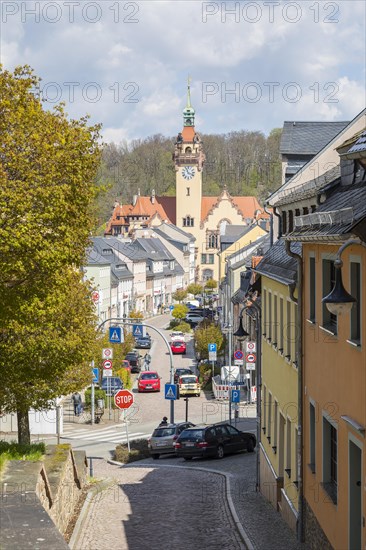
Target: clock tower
188 159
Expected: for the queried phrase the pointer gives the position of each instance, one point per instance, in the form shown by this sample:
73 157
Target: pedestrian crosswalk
112 434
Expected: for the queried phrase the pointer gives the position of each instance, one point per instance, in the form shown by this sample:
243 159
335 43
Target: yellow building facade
279 450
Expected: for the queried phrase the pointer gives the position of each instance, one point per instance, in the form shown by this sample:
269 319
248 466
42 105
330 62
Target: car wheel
187 458
250 446
220 452
155 457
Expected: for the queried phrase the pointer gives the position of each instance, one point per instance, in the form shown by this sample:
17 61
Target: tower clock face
188 172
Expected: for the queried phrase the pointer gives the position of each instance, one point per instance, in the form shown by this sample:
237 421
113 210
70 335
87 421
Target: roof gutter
299 360
270 224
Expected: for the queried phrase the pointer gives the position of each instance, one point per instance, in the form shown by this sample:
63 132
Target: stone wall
60 492
54 485
314 534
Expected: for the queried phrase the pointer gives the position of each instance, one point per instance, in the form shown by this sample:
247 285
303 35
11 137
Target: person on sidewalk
164 422
147 361
76 399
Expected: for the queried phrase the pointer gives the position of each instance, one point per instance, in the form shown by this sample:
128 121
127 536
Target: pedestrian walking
147 361
77 401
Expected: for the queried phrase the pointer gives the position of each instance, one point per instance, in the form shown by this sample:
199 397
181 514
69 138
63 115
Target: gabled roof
154 249
277 265
173 233
102 253
308 138
247 207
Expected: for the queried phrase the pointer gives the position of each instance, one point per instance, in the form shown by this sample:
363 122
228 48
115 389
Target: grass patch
139 451
16 451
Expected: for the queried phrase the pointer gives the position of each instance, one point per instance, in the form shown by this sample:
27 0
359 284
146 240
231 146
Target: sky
252 64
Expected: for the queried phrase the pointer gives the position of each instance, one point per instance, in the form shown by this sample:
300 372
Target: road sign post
124 400
212 356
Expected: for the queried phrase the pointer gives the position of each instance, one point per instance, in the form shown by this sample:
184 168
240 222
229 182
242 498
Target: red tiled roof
188 133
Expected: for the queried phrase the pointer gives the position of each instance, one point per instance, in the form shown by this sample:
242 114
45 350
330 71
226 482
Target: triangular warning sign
115 336
170 392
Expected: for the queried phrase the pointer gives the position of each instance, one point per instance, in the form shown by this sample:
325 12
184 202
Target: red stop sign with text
123 399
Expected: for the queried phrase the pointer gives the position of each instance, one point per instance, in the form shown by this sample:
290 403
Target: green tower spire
188 112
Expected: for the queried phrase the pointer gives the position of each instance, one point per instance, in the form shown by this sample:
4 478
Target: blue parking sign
235 396
212 348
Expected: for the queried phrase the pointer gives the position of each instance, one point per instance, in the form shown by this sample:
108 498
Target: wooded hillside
247 162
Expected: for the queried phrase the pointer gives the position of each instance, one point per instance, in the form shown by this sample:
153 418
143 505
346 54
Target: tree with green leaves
194 289
210 284
47 318
207 333
179 295
179 311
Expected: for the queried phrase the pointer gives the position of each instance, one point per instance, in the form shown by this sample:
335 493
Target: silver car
163 438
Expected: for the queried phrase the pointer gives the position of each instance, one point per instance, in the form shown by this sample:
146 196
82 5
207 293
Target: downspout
270 224
299 356
279 222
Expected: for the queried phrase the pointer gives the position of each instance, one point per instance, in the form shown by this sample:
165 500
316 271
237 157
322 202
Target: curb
84 511
244 536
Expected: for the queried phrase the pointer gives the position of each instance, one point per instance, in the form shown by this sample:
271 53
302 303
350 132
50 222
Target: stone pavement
174 504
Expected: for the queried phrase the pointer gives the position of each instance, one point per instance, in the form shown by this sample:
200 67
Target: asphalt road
149 408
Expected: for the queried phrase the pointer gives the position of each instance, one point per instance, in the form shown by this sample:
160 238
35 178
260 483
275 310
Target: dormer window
107 251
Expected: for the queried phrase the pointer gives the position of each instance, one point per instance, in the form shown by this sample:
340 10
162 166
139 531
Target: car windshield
180 372
178 344
188 379
149 376
188 434
163 432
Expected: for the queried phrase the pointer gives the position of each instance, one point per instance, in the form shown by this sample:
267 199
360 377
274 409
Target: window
275 426
207 258
290 221
288 447
188 191
312 437
269 335
330 459
355 317
265 319
188 222
212 240
269 424
288 331
329 319
284 223
264 409
312 294
275 321
281 327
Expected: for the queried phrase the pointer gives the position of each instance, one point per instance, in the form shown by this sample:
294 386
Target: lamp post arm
345 245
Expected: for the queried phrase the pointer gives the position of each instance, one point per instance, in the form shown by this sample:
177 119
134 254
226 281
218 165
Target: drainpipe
299 302
279 222
270 224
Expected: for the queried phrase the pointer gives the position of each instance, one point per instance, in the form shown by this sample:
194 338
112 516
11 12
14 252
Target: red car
178 347
148 381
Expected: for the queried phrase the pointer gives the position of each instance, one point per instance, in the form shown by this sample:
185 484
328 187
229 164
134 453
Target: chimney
134 200
153 196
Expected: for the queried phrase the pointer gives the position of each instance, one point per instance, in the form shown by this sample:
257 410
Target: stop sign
123 399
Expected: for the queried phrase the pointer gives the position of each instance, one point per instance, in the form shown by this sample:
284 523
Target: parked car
177 346
177 335
163 438
111 385
215 440
194 318
189 385
148 381
134 358
180 372
143 342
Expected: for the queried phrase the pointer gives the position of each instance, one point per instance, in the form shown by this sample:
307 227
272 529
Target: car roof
149 372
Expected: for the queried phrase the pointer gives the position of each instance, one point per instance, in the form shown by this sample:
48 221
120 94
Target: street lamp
241 332
339 301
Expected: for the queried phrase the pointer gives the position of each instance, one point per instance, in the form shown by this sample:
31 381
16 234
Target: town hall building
204 217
